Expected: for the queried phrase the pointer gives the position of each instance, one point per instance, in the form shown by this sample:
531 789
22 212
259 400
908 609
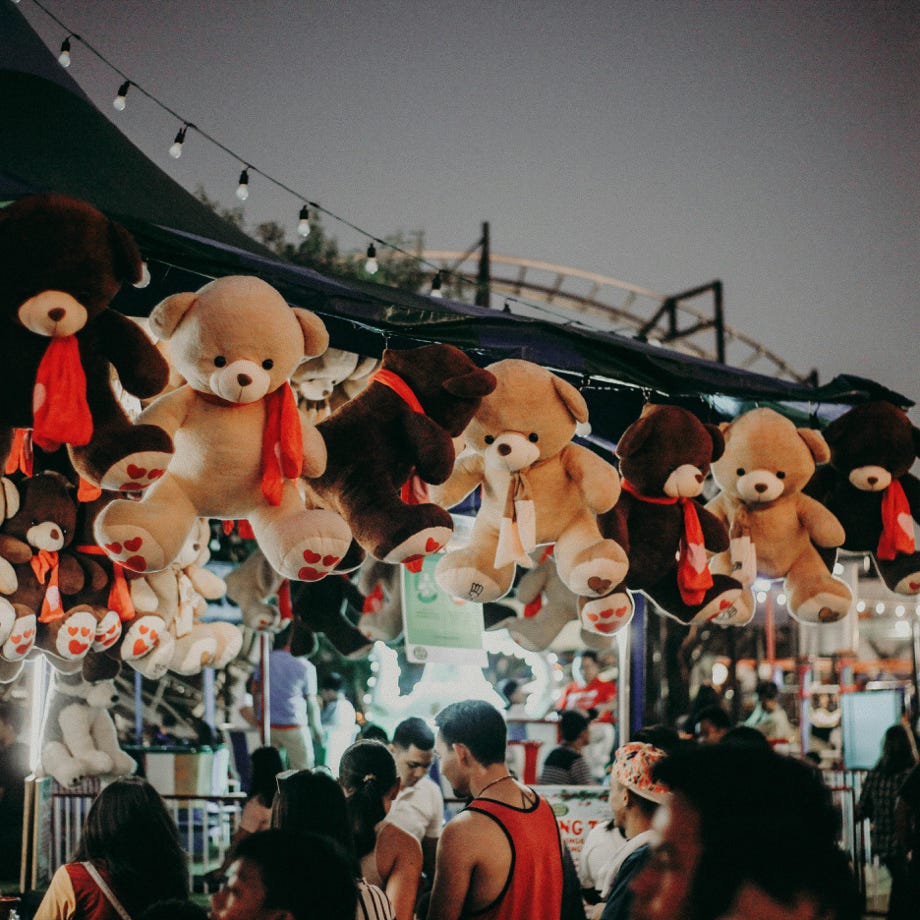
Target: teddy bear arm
822 526
597 480
74 722
911 486
715 533
614 525
168 411
71 577
468 473
206 583
141 368
532 584
103 734
14 550
432 446
314 452
95 576
719 508
9 582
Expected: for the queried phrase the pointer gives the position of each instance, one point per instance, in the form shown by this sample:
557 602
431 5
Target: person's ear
463 753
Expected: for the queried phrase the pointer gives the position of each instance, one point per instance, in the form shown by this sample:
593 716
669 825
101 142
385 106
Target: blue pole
207 688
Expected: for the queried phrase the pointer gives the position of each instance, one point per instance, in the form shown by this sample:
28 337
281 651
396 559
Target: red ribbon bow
282 443
895 538
60 412
44 564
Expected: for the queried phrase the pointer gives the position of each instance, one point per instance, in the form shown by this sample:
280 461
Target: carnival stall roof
55 140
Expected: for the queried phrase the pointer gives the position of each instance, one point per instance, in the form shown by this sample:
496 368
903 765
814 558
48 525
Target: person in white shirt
419 807
338 720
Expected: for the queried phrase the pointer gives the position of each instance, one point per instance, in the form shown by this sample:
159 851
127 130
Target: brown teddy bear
62 262
774 527
537 488
240 444
869 487
665 457
402 423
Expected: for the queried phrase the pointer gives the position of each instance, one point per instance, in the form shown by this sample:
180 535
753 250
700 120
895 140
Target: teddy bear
381 611
62 263
868 485
78 737
36 541
665 456
537 488
402 423
325 382
774 527
240 444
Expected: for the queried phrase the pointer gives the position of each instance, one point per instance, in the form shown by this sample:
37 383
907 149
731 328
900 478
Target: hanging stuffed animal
774 527
537 488
62 262
326 382
381 611
869 487
240 443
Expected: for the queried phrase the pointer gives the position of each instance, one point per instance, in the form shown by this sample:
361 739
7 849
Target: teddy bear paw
421 544
143 636
189 657
76 636
96 763
108 631
909 584
7 620
727 609
8 580
69 775
824 607
135 548
136 472
122 764
263 617
595 577
155 663
606 615
467 583
21 639
377 629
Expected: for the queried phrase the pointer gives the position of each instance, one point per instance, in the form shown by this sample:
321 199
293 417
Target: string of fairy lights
308 207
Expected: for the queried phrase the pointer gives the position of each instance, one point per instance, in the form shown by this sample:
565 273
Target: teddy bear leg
141 636
588 565
194 651
22 636
229 643
155 663
605 616
902 574
383 625
57 761
108 629
721 604
814 595
7 620
146 536
70 637
535 633
249 586
407 533
348 640
469 574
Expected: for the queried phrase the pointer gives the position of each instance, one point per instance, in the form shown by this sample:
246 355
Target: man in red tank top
500 858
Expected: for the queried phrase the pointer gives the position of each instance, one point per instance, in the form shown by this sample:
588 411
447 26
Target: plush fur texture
872 446
381 585
665 454
236 341
324 383
62 262
766 464
522 432
376 441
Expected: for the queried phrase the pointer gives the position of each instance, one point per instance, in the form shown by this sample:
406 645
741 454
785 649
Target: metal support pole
265 642
636 667
138 708
484 275
210 704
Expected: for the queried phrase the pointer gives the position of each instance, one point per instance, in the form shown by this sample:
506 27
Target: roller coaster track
568 295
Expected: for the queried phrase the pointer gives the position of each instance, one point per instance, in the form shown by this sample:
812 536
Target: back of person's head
174 909
590 655
283 638
478 725
413 731
716 716
371 731
571 724
767 690
332 681
763 818
126 824
306 874
663 737
367 773
897 751
633 766
744 736
312 801
266 765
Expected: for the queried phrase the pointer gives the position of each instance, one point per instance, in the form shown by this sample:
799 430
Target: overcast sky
773 145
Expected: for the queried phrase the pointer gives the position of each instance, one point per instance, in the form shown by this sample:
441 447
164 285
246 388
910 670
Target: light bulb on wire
436 286
64 56
303 222
176 150
371 265
242 190
120 101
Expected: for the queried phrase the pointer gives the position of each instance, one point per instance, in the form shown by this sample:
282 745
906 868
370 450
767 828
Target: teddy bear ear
472 385
815 443
129 266
718 440
9 499
167 314
315 335
366 367
634 436
573 400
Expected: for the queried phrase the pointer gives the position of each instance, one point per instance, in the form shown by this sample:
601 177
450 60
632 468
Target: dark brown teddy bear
404 422
868 487
61 263
665 457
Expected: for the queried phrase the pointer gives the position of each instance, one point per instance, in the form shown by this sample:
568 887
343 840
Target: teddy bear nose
55 534
699 477
243 380
760 487
504 449
57 314
872 480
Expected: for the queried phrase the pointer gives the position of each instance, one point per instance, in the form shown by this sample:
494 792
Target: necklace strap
490 785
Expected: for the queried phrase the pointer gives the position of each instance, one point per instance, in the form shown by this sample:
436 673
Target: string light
242 190
176 150
64 56
120 101
303 222
436 286
371 265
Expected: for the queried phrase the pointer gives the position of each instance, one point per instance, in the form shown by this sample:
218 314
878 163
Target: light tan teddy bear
774 528
537 488
240 445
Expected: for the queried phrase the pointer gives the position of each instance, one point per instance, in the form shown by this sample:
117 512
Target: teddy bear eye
220 361
489 439
268 364
533 437
780 475
739 471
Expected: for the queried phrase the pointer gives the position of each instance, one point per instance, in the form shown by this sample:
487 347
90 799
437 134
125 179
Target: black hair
663 737
128 822
478 725
715 715
897 752
367 771
332 681
572 723
311 801
590 653
371 731
747 737
306 874
283 638
266 765
767 690
413 731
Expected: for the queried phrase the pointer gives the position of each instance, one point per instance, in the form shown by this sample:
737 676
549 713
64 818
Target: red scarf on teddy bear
60 412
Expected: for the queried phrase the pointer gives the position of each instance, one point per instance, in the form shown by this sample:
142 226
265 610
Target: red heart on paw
606 627
114 548
22 649
620 612
73 630
330 561
414 563
140 646
914 585
593 617
155 474
85 631
154 636
28 633
724 603
432 545
135 563
133 545
16 639
311 557
143 630
309 574
136 472
599 585
76 648
105 643
130 486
